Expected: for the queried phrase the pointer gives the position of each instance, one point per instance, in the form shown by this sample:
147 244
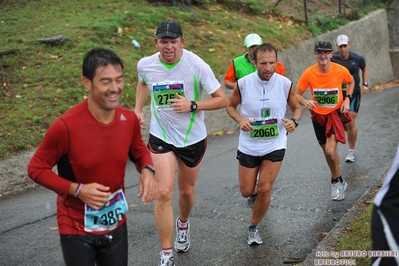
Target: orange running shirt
326 89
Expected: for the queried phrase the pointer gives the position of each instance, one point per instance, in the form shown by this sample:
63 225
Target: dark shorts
191 155
250 161
320 130
355 103
104 250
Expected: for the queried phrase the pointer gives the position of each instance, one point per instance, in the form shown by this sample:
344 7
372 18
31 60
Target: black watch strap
296 121
149 167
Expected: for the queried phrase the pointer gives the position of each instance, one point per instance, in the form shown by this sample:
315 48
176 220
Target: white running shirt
192 74
260 97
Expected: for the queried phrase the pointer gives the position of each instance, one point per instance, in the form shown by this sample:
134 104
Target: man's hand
310 104
148 186
245 124
180 104
289 125
94 195
345 107
365 89
140 116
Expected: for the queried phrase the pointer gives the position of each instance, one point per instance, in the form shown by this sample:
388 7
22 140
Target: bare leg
332 157
165 165
267 174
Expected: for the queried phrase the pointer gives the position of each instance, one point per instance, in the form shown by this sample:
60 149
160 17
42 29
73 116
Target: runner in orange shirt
330 111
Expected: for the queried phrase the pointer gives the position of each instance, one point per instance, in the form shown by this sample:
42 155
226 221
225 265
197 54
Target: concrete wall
393 16
369 37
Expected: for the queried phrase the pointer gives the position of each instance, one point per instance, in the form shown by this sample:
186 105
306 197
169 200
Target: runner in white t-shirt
176 79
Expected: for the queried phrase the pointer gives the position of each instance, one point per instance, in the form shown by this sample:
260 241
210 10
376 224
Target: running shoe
254 236
350 157
166 260
338 190
183 241
251 200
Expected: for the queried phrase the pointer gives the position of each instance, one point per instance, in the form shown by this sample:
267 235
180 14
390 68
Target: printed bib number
163 91
108 216
327 98
265 129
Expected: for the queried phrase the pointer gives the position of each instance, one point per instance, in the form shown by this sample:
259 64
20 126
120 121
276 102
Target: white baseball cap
252 39
342 40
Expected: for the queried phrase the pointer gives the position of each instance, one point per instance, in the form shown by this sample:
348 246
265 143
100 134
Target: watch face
193 106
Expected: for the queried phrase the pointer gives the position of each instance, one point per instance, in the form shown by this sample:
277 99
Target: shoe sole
182 250
255 243
349 161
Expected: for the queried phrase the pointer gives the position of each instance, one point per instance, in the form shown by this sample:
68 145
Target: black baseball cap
323 46
169 28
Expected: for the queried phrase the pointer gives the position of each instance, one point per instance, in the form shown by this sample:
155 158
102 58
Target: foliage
321 24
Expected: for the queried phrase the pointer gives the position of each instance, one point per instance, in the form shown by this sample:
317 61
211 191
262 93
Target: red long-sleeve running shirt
86 151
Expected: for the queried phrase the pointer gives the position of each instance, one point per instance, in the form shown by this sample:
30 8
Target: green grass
358 237
39 82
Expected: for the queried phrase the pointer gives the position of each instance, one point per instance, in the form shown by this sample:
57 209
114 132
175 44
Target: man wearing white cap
243 65
353 62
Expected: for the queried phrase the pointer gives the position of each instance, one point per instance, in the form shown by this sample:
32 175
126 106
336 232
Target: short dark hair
97 57
264 47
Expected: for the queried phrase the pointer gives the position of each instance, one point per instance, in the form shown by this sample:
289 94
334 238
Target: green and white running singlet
189 77
266 103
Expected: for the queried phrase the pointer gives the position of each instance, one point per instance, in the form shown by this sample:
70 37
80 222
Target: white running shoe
254 236
338 190
350 157
182 241
166 260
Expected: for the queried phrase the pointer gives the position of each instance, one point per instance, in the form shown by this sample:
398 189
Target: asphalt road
300 213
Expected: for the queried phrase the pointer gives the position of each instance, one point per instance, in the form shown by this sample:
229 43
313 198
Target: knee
187 193
264 189
330 153
164 194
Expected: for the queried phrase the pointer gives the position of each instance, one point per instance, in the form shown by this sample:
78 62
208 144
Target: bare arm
296 109
142 93
232 111
365 78
230 78
219 100
350 86
230 85
309 104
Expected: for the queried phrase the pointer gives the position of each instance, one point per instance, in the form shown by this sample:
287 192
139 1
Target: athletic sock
252 226
182 225
338 179
167 252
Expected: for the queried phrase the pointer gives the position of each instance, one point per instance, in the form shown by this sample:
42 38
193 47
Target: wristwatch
365 84
194 106
296 121
350 97
149 167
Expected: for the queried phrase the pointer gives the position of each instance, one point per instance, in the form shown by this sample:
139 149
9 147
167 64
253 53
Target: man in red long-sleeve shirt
90 144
